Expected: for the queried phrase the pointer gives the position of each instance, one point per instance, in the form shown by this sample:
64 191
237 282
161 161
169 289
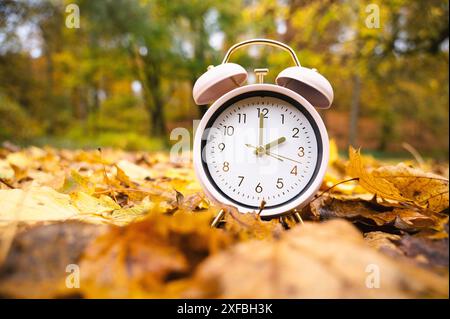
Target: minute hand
261 129
287 158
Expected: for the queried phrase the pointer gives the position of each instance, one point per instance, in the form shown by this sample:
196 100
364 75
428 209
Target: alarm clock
261 147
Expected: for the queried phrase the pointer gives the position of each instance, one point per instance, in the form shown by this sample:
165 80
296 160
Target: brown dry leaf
425 252
328 260
144 258
129 262
370 213
250 226
36 266
384 242
377 186
423 188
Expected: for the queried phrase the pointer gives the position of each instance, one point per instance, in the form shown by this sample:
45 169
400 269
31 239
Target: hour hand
274 143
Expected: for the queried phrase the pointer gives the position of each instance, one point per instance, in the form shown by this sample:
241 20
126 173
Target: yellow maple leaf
378 186
425 189
88 204
35 204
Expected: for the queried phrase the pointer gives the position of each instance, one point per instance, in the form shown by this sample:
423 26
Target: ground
110 223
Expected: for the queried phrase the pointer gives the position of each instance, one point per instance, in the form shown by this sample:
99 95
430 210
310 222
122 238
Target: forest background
123 76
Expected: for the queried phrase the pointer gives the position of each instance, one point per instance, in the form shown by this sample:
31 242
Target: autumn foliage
138 226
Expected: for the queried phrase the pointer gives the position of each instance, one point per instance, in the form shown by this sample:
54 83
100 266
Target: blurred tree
143 56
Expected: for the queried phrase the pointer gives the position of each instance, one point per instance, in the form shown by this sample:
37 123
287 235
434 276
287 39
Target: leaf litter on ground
138 225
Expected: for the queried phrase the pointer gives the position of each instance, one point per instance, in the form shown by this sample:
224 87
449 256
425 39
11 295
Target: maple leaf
378 186
35 204
407 218
127 171
423 188
401 183
84 182
87 204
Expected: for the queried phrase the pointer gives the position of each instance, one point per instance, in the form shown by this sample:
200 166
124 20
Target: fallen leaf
35 204
36 266
328 260
370 213
431 252
145 257
377 186
88 204
423 188
133 171
6 171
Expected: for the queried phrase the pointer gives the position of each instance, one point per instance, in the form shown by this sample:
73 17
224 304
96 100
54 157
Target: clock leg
218 218
297 217
289 221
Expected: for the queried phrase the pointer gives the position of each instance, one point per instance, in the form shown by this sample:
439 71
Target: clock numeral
228 130
264 111
282 118
242 118
296 131
280 183
241 180
301 151
226 166
294 170
258 188
221 146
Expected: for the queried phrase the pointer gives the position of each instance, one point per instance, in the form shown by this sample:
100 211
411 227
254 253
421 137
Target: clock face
261 147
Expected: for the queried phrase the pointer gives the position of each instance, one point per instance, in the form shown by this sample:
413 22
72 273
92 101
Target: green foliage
15 123
121 113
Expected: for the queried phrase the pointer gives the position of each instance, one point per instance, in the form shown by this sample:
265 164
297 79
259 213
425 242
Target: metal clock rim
267 42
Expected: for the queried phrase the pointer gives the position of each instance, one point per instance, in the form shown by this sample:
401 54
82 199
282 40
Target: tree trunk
157 127
354 111
157 121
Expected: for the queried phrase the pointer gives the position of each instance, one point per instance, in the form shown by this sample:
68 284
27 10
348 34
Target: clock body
261 145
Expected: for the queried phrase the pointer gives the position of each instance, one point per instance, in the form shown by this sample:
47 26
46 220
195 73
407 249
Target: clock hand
261 128
281 156
277 156
271 155
275 143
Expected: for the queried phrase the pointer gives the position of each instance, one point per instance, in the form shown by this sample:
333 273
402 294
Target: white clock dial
261 148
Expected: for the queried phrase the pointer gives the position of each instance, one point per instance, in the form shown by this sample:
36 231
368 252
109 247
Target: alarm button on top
309 83
217 81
